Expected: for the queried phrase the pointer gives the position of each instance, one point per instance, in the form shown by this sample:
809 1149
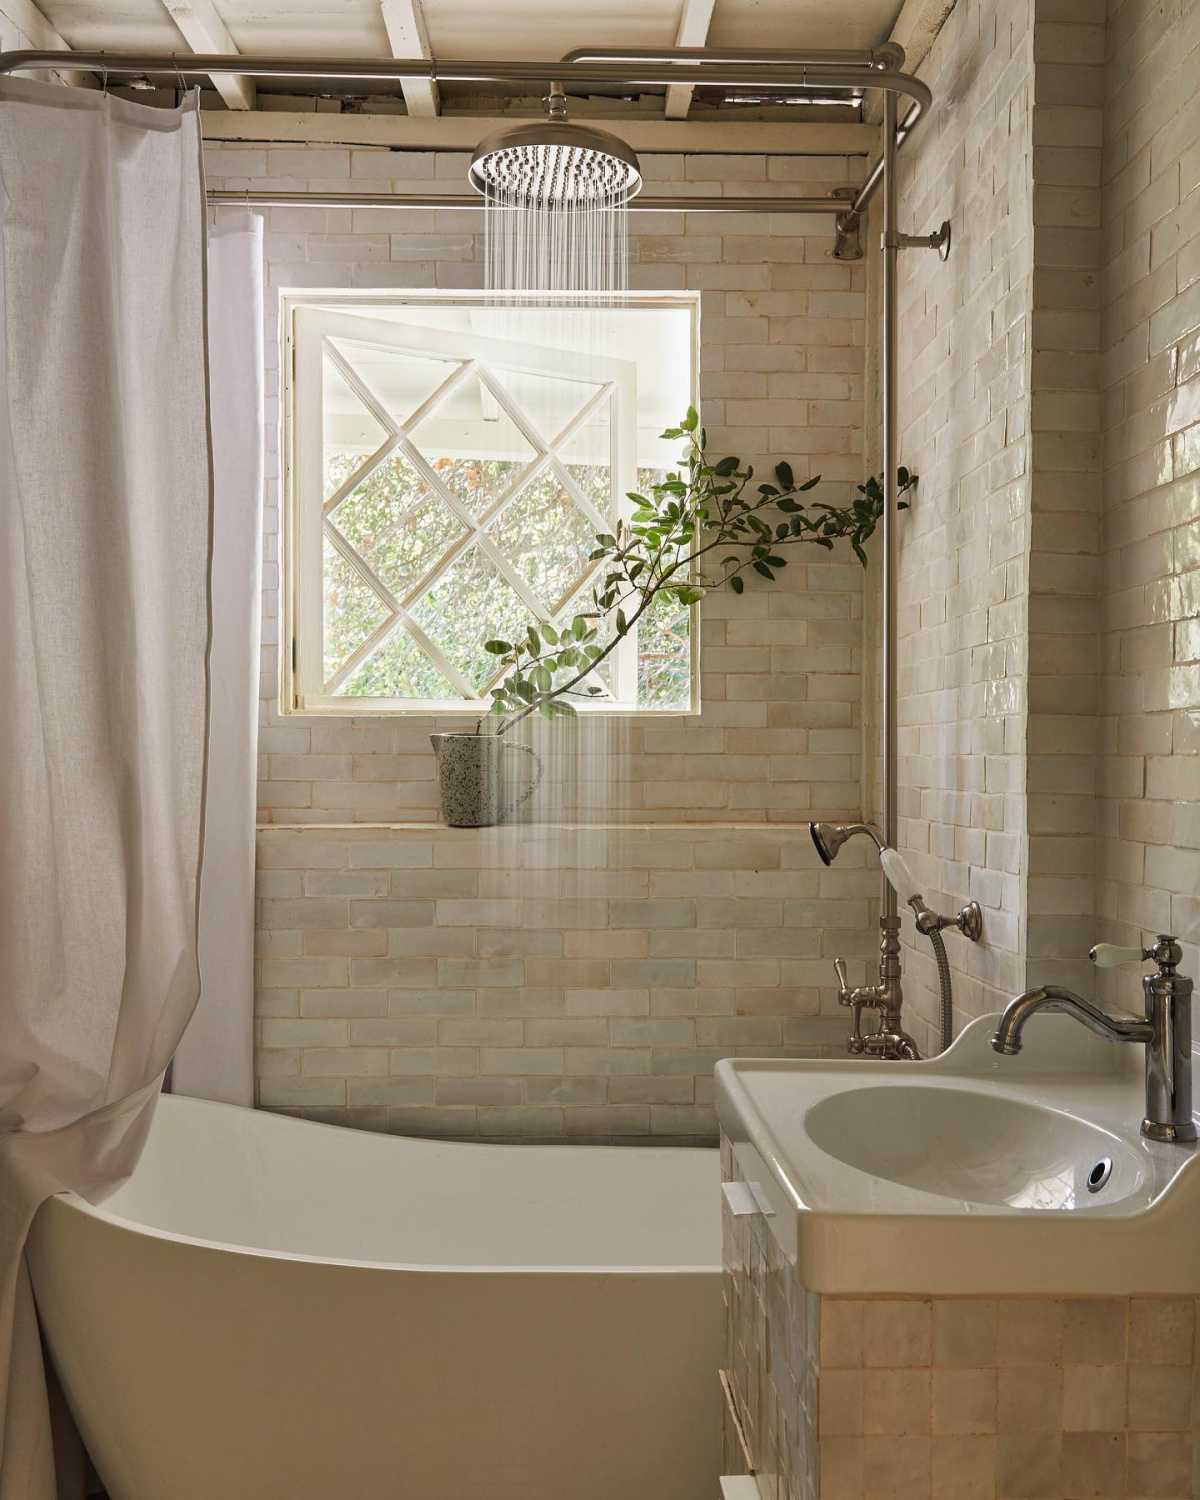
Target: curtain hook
179 75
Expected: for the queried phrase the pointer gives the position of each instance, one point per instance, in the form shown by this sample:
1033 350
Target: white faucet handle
1108 955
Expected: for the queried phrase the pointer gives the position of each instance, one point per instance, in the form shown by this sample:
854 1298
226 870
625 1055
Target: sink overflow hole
1099 1174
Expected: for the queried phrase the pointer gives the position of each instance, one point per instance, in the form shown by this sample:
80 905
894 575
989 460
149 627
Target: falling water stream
556 236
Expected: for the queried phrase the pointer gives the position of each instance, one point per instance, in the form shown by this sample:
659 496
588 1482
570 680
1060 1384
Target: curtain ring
179 75
103 73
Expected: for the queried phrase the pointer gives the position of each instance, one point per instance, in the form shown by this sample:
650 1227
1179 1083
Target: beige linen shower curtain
216 1056
105 500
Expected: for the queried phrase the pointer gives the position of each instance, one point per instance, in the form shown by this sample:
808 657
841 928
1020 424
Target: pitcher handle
535 779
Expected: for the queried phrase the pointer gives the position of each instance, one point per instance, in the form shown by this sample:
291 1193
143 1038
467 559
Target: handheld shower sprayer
829 838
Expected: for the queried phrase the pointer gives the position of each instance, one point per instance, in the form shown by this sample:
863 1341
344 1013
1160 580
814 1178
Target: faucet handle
1109 955
839 968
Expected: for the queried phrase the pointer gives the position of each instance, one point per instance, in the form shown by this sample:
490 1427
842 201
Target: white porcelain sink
972 1146
969 1174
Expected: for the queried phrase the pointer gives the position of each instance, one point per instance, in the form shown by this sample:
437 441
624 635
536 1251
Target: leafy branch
668 549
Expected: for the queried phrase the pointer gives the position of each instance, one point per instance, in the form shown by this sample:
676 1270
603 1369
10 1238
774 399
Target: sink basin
974 1147
969 1174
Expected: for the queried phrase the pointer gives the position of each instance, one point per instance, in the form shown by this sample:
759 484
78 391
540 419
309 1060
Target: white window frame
345 315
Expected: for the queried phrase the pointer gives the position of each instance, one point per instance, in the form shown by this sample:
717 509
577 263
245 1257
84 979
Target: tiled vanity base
954 1398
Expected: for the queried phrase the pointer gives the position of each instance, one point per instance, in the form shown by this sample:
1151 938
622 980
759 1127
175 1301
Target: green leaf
761 567
691 421
783 472
810 484
497 648
737 584
535 643
622 623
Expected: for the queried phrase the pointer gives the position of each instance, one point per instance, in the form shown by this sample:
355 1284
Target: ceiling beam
408 38
204 31
39 34
693 32
915 30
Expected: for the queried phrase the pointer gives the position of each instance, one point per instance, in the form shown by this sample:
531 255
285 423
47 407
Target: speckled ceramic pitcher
474 781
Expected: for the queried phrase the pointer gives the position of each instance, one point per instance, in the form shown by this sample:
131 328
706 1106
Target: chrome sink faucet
1165 1031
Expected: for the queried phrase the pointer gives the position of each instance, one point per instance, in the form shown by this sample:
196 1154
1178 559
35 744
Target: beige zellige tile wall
963 546
1149 815
546 982
1049 652
1064 543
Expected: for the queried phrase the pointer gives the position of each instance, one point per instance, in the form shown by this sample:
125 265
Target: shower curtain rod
877 68
249 198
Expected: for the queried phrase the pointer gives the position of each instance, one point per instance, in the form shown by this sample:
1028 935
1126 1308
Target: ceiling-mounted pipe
889 55
229 197
441 70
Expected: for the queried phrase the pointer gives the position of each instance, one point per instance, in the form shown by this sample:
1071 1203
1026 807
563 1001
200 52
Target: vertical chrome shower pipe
891 254
891 1040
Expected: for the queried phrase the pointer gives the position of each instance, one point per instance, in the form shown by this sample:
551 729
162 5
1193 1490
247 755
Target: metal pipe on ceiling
651 74
231 197
889 55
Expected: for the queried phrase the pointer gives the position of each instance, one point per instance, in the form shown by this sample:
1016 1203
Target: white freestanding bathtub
276 1310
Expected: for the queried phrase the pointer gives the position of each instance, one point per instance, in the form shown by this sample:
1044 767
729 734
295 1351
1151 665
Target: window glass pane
352 610
549 403
401 382
588 458
399 669
546 537
351 433
397 524
664 656
472 602
474 446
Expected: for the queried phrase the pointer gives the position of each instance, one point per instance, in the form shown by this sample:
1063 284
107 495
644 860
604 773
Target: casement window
448 465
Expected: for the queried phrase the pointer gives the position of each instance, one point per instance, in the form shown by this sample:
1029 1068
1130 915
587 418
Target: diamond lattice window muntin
430 533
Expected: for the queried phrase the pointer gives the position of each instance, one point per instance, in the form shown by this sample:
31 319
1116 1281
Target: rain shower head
829 837
555 164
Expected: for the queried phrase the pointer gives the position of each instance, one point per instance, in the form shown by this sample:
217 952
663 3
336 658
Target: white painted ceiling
474 29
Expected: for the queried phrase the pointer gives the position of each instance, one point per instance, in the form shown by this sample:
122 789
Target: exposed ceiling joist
693 32
39 33
408 38
204 31
915 30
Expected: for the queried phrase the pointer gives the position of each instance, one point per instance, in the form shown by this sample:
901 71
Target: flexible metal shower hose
943 968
